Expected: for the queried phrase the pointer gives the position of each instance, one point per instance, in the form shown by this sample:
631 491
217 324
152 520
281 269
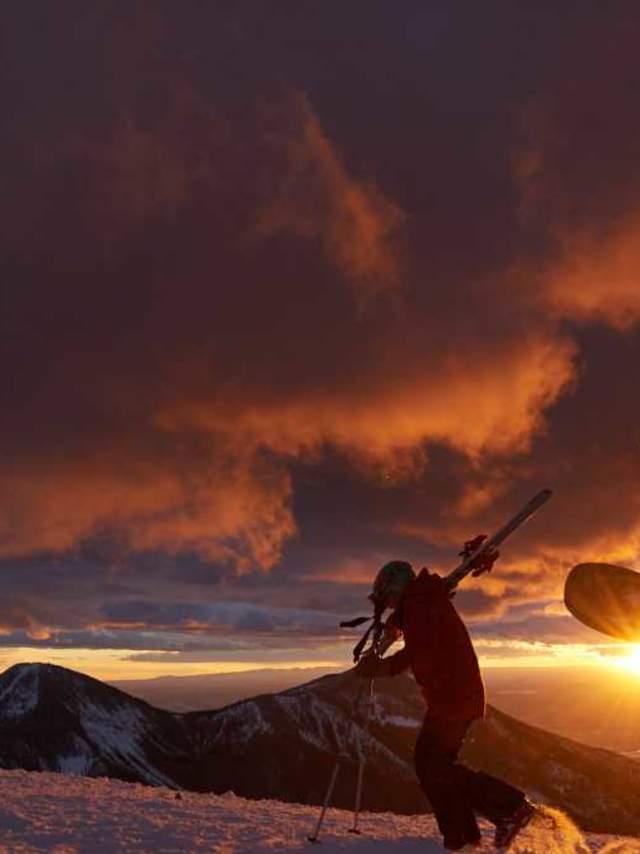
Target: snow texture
399 720
318 725
119 731
21 695
242 722
77 762
44 812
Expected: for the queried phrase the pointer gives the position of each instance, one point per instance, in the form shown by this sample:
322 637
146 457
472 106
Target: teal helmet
391 581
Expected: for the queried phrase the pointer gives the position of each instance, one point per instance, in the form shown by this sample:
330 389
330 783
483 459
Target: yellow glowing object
630 661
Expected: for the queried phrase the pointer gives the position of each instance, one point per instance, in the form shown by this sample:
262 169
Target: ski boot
510 827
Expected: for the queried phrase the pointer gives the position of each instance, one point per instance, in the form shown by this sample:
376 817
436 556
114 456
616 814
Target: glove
484 562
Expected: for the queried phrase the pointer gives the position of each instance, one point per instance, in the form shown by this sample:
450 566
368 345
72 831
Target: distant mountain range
283 745
214 690
595 705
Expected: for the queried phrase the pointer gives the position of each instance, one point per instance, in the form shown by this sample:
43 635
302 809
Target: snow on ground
42 812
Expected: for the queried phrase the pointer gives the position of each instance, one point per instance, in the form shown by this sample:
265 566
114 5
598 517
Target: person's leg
493 798
487 795
436 751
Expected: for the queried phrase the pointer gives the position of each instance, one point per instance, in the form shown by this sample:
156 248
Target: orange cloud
317 198
228 510
219 375
490 402
21 614
577 188
189 257
598 276
197 479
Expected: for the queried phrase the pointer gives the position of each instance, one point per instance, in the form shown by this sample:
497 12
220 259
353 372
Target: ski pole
361 761
356 811
327 799
334 774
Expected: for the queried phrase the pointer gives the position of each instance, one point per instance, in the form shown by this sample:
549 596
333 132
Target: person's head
390 583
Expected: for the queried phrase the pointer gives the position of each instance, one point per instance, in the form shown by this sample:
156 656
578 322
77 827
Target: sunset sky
291 289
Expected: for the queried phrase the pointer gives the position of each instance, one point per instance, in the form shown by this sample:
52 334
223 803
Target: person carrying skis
439 652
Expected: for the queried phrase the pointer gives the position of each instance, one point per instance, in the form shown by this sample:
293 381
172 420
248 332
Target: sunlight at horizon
115 664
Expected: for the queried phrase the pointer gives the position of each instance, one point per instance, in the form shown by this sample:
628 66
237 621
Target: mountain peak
19 690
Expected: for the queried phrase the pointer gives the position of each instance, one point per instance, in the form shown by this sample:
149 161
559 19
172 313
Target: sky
293 289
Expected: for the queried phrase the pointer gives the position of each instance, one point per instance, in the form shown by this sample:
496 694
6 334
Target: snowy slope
305 727
283 746
71 815
55 719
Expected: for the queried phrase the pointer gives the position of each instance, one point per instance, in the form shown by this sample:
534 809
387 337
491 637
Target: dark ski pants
456 793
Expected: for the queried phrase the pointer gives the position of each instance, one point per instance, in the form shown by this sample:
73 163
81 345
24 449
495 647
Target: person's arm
374 667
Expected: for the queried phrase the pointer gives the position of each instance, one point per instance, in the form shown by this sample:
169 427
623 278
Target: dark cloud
278 305
219 617
102 639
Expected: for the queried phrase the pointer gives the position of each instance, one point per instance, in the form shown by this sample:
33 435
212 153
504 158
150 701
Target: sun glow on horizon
494 653
109 664
630 661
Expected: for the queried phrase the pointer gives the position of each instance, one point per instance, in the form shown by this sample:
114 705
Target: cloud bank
271 316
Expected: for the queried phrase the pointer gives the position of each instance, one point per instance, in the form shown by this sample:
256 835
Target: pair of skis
454 578
379 646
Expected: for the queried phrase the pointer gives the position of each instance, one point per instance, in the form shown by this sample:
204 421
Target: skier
439 652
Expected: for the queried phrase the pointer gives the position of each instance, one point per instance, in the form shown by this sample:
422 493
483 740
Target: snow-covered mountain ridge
45 812
283 746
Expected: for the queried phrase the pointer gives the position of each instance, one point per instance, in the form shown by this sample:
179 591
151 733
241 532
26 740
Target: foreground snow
69 815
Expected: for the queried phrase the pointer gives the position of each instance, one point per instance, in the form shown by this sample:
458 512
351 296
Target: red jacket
438 650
